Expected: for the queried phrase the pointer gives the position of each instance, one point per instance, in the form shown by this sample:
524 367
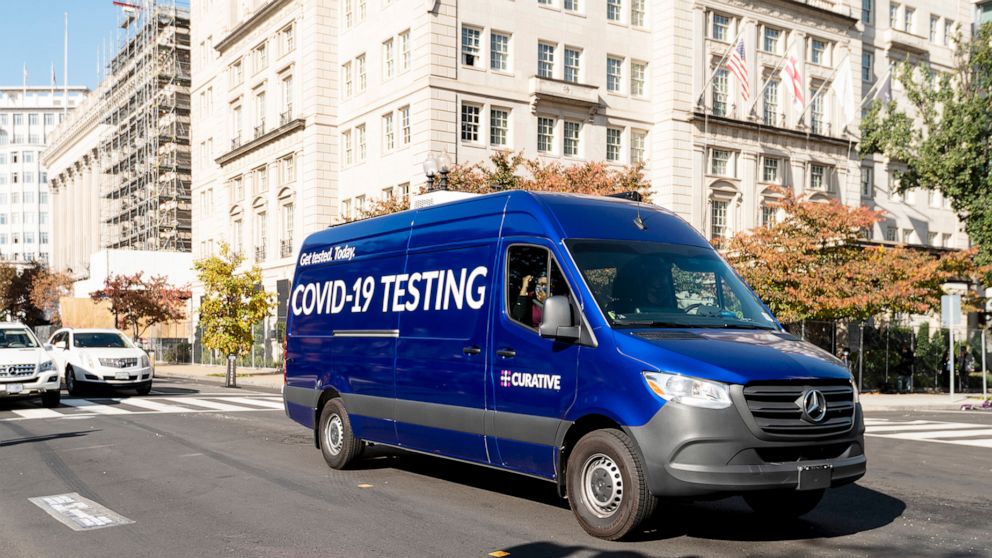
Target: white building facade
28 116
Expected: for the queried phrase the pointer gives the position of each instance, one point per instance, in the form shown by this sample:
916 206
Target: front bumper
690 451
108 376
31 385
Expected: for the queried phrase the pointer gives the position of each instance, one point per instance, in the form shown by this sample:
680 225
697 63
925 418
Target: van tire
337 442
607 486
783 504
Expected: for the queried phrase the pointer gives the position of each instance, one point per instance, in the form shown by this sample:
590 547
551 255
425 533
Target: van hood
730 356
29 355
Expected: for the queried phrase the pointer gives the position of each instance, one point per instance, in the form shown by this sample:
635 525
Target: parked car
100 357
26 368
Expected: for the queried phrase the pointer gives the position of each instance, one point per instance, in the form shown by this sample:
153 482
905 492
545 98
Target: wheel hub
602 484
334 436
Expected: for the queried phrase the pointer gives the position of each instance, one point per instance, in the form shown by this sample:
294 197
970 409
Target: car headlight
88 361
144 361
689 391
46 366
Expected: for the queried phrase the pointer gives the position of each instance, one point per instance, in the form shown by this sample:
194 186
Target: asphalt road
202 474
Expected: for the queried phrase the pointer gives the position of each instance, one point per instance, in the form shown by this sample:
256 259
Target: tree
943 137
46 291
512 171
15 294
232 303
813 264
138 303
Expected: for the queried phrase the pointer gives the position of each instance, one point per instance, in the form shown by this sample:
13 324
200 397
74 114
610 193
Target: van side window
532 276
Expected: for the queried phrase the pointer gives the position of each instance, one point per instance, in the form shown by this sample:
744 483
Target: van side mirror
557 320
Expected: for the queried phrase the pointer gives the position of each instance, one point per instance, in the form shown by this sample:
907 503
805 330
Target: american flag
738 65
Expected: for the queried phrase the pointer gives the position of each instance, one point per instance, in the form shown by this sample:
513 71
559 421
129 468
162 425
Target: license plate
122 376
13 388
814 477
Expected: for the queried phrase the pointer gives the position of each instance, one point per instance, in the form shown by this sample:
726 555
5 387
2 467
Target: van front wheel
337 442
606 485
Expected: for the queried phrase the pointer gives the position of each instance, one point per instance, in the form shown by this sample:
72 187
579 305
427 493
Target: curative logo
508 378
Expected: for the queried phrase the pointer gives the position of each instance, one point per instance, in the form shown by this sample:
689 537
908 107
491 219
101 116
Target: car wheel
783 504
51 398
606 485
71 385
337 442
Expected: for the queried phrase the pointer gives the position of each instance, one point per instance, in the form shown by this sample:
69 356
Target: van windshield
16 339
653 284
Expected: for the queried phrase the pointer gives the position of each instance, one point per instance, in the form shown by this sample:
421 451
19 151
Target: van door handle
506 353
471 350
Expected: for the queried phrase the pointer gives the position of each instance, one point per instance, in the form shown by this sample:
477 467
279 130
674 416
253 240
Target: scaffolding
147 200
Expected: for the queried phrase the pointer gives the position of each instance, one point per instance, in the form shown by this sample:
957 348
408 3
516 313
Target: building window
260 234
817 177
288 35
948 32
499 51
720 29
720 92
18 119
405 125
286 230
345 209
934 28
361 10
818 51
638 142
573 131
286 114
360 67
405 51
349 151
867 182
499 123
893 15
470 122
388 133
348 83
470 45
771 39
769 108
638 76
816 116
388 63
866 11
545 134
721 162
261 179
637 13
769 170
349 14
866 66
259 113
934 199
545 60
718 219
613 9
235 73
613 143
49 119
571 5
767 214
909 18
945 240
573 62
614 73
932 238
361 146
260 57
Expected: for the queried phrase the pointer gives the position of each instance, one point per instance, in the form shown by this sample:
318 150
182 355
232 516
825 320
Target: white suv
100 357
26 368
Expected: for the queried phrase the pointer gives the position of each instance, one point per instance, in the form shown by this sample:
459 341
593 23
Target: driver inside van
640 288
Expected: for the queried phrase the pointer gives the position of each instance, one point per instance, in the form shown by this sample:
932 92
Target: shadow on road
844 511
554 550
45 438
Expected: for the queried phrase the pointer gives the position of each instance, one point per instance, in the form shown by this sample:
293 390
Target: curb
219 382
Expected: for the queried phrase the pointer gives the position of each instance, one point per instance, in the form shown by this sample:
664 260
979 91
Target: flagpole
778 68
879 82
65 69
820 89
719 64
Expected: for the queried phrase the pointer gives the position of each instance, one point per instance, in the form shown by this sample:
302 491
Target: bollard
231 379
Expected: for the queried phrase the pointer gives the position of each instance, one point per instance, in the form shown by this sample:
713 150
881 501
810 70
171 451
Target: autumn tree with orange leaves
814 265
138 303
512 171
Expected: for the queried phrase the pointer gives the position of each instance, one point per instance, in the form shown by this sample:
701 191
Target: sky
31 33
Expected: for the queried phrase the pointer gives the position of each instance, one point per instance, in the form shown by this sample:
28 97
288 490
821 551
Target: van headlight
854 388
689 391
46 366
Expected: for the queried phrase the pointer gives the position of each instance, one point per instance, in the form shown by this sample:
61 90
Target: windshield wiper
651 323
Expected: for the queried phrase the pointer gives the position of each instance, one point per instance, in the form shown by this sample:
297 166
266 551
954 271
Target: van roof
556 215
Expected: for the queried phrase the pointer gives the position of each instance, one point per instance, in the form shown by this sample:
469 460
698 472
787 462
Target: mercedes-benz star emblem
813 405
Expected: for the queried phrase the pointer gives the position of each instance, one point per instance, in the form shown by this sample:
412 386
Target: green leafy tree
232 302
942 134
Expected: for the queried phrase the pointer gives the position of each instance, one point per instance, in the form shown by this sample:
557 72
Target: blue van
598 343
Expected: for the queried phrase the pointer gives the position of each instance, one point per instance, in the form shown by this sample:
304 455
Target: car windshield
105 340
16 339
653 284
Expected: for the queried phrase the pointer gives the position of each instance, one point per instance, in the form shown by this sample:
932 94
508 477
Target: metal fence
266 351
895 356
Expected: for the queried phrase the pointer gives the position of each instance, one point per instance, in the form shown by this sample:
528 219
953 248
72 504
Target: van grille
16 370
775 411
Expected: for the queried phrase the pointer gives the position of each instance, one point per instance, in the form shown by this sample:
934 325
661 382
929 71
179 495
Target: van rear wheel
606 485
337 442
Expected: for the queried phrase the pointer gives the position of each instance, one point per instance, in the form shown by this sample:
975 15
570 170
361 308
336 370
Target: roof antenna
638 222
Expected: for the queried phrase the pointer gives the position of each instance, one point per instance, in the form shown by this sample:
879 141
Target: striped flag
790 73
737 63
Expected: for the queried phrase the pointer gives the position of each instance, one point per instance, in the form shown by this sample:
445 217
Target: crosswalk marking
122 406
958 433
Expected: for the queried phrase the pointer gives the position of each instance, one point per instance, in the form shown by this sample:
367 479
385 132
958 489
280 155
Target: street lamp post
435 165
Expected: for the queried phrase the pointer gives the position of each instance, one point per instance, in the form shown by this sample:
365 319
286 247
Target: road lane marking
941 434
206 403
259 402
36 413
931 426
153 405
78 513
91 407
957 433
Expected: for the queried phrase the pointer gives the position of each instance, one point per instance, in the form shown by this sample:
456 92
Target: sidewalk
916 401
214 374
